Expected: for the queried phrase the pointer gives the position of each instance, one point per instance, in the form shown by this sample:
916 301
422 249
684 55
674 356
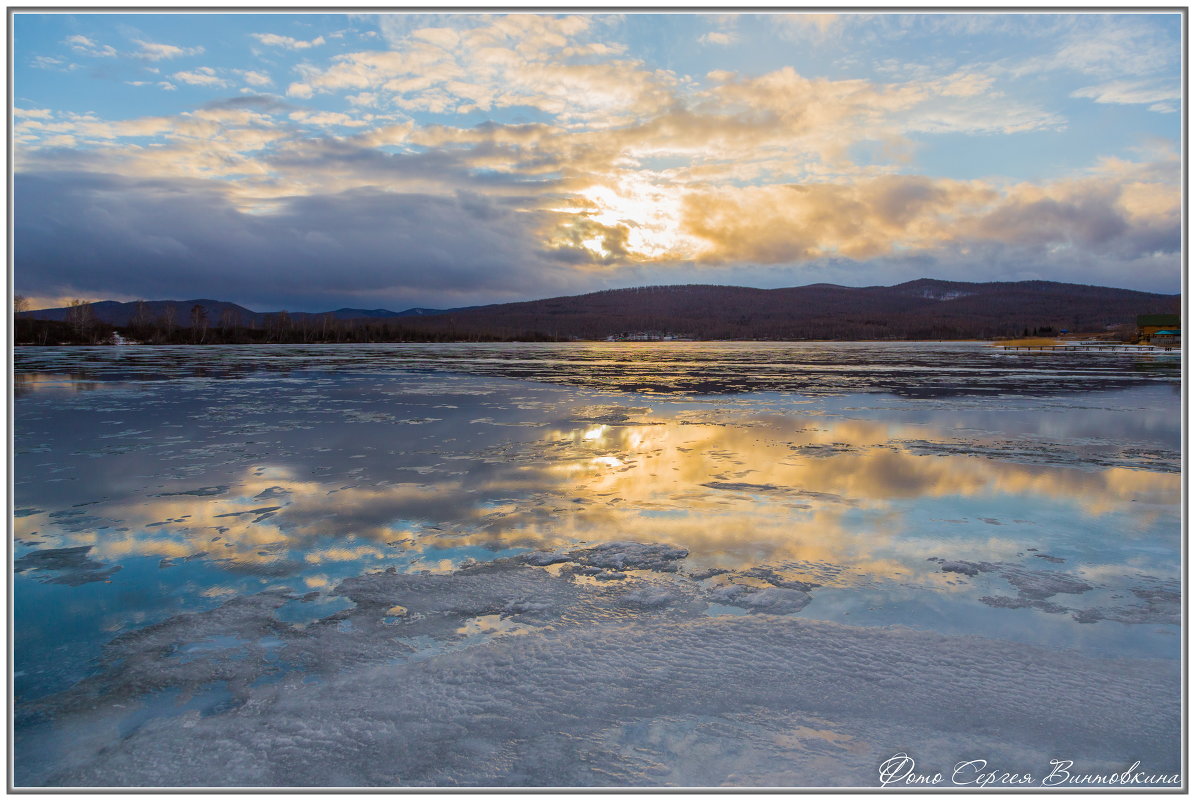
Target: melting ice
681 564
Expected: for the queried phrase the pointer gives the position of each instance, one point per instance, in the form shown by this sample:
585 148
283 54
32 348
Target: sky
313 161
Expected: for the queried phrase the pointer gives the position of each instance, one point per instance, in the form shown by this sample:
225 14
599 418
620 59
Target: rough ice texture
57 559
1052 559
551 709
1167 460
613 415
964 567
1037 589
740 486
630 556
201 492
772 600
72 565
1038 584
618 683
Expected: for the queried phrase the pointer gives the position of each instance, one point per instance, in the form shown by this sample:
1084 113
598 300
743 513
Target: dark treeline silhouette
117 313
925 309
275 329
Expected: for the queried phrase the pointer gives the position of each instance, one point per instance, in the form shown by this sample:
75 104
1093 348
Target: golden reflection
25 383
777 490
830 491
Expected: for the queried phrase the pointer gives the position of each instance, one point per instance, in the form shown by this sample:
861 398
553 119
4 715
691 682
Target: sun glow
597 432
649 212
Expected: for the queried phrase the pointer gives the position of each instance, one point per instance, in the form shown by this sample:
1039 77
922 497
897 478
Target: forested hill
922 309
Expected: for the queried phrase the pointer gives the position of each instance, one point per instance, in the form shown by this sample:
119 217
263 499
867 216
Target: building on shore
645 336
1167 338
1149 325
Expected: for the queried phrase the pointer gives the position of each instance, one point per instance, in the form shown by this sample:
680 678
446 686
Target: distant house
1150 324
1167 338
643 336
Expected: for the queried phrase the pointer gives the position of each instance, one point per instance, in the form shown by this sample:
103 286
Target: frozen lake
611 564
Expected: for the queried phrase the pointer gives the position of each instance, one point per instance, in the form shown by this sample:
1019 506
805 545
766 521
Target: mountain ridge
925 308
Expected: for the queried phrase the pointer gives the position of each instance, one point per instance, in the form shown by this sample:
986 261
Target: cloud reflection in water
764 490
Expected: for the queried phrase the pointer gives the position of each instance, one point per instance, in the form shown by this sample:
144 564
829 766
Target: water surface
200 529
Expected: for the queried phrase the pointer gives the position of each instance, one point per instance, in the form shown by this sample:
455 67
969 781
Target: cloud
87 47
795 223
326 118
813 26
1105 46
784 108
262 103
153 51
1097 218
522 60
1158 95
32 113
288 42
606 168
722 38
156 238
216 141
254 78
51 63
446 247
163 85
201 76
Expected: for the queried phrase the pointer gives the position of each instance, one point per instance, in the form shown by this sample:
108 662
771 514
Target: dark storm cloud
444 167
100 235
1090 221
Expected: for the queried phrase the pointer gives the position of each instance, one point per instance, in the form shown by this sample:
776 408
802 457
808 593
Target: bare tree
78 314
230 318
198 323
141 316
282 325
22 327
167 320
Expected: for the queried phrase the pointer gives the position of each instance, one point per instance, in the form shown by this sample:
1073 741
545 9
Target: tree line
82 327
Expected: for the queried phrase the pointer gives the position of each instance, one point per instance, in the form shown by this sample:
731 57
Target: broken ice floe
201 492
1037 589
73 565
773 600
1068 454
630 555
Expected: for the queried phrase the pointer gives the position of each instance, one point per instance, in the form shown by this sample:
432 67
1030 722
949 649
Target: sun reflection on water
770 489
